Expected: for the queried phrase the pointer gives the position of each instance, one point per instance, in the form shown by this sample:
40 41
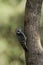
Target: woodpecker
22 38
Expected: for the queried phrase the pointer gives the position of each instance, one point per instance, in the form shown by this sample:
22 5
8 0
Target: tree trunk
34 55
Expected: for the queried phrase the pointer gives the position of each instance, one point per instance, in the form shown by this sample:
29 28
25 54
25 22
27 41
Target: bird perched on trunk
22 38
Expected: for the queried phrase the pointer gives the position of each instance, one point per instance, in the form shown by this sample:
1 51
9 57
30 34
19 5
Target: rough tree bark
34 55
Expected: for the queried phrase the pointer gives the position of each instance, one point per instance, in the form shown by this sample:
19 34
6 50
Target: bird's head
18 31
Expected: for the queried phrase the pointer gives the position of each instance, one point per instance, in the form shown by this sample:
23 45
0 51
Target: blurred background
12 17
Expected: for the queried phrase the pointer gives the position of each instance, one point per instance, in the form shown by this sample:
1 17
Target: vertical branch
32 30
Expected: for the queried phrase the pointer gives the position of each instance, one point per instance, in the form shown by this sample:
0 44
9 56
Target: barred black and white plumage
22 38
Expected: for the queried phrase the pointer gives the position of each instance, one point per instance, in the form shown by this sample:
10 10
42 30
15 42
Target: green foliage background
11 18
